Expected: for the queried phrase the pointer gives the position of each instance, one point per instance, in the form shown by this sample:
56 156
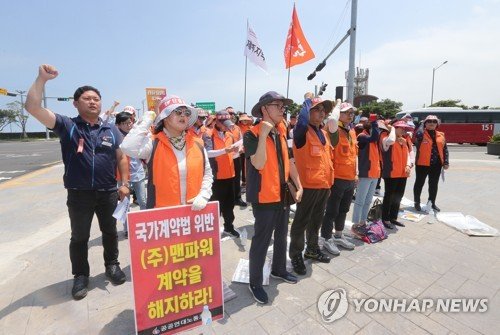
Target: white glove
199 202
332 122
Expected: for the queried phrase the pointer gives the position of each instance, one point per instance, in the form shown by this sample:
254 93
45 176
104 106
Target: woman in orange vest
178 168
220 145
368 171
431 158
198 127
396 167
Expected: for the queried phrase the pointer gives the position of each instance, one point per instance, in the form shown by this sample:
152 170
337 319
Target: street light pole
433 73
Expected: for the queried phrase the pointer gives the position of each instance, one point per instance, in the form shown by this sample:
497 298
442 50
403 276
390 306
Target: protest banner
176 267
152 93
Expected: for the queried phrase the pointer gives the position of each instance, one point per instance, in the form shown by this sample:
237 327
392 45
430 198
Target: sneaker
240 203
317 255
397 223
232 233
388 225
359 230
417 206
298 265
258 294
115 274
436 208
329 246
287 277
343 242
79 290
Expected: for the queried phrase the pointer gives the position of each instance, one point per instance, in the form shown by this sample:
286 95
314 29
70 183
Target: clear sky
195 49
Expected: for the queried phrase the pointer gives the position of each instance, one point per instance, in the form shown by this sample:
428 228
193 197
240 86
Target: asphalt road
18 158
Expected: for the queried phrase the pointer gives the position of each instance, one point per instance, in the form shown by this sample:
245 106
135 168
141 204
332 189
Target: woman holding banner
178 168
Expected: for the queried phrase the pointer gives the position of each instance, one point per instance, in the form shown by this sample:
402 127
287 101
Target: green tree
449 103
386 107
20 117
294 108
7 116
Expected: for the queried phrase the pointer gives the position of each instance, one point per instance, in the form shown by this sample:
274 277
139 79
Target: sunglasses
431 121
183 112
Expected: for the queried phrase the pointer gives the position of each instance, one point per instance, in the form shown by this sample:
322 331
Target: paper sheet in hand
121 210
242 275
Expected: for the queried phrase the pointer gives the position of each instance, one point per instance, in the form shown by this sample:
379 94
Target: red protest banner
176 267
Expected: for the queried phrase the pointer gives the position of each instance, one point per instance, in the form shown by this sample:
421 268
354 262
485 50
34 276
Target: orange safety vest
424 148
244 128
237 134
164 187
222 166
314 161
369 160
344 155
196 132
264 186
395 159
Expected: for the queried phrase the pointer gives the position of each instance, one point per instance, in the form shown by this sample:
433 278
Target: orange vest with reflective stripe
222 166
369 159
314 161
164 187
424 149
264 185
345 154
395 159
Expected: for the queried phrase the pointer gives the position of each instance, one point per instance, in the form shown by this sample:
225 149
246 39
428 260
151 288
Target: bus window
453 118
478 117
495 117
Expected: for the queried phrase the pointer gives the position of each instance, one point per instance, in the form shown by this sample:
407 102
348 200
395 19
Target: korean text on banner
176 267
297 50
153 93
253 51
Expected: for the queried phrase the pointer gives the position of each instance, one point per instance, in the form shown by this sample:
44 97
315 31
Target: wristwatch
127 185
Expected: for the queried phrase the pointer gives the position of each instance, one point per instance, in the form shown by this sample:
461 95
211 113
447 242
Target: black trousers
433 171
337 206
223 191
243 170
237 178
81 207
267 221
394 191
307 219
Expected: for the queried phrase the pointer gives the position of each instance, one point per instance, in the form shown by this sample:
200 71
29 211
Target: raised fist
47 72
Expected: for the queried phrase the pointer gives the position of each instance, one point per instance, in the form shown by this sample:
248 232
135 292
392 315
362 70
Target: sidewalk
418 261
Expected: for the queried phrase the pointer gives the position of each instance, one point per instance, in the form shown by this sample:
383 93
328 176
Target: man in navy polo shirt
91 155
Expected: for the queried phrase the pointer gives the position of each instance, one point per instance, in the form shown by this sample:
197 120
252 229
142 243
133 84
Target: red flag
297 50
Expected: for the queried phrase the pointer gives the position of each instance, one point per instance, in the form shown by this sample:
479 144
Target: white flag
253 50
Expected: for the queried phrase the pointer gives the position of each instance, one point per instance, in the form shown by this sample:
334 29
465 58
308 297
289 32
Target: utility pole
47 135
352 51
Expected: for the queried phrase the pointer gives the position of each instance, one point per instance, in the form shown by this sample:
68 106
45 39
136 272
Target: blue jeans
364 197
139 188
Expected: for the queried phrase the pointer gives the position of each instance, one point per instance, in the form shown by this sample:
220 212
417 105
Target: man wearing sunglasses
312 155
268 169
199 128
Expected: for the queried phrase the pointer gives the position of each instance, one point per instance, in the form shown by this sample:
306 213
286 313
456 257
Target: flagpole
245 94
290 56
